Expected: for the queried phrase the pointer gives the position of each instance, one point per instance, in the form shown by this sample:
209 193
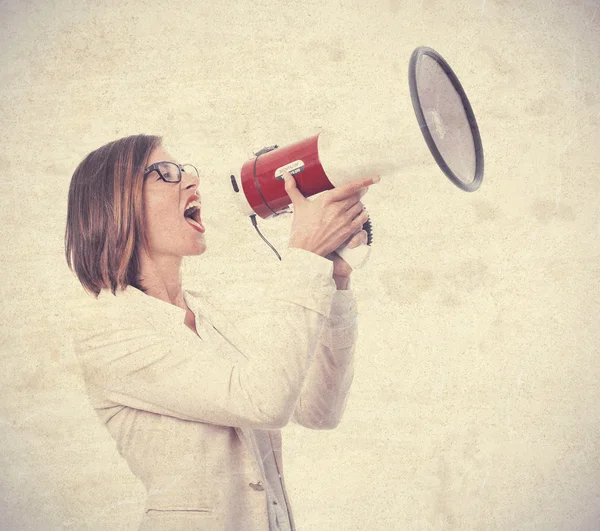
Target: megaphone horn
330 159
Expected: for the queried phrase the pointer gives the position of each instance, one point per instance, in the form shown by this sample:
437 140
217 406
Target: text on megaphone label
293 168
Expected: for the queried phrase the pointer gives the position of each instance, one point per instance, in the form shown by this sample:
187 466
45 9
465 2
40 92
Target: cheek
161 219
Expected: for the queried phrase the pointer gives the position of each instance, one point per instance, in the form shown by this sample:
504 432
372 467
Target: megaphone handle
355 257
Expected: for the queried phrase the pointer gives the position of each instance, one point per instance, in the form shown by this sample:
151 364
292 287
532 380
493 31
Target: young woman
195 408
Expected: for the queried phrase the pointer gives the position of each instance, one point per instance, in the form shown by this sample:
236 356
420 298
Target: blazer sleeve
325 391
129 361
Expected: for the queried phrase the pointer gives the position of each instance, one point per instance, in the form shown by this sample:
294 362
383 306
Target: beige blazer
180 408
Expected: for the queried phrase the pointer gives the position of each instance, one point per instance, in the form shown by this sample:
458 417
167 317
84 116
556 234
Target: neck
160 276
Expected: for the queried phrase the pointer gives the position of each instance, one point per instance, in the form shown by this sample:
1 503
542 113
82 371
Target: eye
169 171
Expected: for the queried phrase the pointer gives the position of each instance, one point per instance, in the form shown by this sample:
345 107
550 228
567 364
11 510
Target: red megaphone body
261 177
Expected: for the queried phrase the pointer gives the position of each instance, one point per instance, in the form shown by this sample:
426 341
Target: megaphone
330 159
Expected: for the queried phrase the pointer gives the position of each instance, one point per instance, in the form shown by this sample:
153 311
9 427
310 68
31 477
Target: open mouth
192 215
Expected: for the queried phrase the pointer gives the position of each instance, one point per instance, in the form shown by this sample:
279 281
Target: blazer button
256 486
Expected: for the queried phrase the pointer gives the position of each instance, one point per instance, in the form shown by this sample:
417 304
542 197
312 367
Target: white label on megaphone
292 168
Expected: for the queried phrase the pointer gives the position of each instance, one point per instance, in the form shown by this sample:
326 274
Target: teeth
193 204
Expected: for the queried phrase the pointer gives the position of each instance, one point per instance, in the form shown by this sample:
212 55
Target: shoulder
229 303
105 302
91 315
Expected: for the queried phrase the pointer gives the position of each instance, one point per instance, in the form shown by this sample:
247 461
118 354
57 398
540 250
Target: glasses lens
191 170
169 171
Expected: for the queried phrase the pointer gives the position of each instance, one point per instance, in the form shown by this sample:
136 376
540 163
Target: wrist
341 283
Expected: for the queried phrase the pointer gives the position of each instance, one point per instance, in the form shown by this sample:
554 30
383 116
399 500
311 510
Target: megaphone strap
255 225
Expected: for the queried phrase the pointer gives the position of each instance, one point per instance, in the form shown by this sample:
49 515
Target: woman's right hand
322 225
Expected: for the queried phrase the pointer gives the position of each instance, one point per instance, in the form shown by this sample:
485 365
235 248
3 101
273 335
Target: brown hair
105 224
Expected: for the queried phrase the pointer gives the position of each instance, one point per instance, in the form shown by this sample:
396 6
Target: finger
357 223
292 189
353 187
350 202
354 210
365 236
360 238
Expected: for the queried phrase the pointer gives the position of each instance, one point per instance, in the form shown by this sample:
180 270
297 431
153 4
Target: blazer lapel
218 321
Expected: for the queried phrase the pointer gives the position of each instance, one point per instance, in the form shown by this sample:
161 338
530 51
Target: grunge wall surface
476 401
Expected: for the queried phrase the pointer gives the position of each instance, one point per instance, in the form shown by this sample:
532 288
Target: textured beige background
476 402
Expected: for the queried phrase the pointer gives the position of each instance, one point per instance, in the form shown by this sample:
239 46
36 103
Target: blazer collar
155 309
221 324
160 312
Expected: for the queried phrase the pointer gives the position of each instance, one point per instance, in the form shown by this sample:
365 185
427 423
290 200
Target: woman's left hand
341 268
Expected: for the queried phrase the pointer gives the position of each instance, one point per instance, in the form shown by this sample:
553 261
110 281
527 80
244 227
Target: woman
195 408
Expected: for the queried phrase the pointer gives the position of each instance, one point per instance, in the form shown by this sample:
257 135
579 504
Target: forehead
159 154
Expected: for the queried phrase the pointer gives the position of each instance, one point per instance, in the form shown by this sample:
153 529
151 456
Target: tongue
194 223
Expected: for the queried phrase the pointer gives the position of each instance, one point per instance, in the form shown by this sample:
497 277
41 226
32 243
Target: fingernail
376 179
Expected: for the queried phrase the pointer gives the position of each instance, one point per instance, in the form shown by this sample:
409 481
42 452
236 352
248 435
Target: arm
129 361
325 391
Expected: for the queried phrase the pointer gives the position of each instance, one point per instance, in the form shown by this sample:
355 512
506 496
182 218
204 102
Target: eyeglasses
171 172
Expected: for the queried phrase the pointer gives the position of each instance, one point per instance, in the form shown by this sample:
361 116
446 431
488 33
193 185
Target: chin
199 249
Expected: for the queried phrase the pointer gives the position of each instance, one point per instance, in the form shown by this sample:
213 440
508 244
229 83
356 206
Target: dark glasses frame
181 168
